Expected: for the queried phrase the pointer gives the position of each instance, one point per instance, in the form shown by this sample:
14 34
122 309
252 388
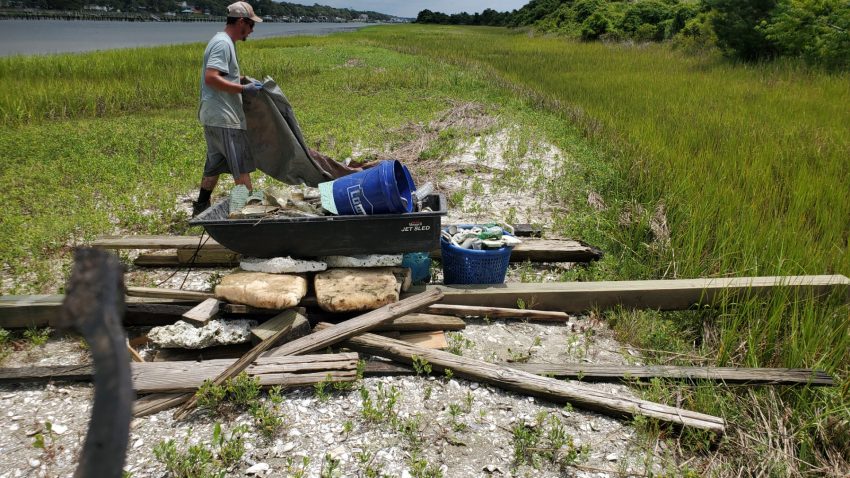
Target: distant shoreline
52 35
92 15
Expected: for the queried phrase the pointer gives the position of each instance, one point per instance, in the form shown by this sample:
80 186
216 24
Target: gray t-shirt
217 107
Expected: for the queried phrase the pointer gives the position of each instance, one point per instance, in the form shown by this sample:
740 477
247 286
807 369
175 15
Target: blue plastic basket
468 266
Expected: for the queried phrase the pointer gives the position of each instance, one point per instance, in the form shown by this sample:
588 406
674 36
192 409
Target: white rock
374 260
138 443
281 265
215 332
257 469
34 462
59 429
611 457
287 447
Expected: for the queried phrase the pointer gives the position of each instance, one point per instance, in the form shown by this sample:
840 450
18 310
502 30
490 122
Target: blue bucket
420 266
383 189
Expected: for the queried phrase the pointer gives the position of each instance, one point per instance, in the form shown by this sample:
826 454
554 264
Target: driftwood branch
527 383
95 306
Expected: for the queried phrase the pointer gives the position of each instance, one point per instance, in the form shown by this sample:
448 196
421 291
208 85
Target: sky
411 8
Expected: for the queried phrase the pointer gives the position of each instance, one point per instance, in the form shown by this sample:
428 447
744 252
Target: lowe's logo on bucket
356 199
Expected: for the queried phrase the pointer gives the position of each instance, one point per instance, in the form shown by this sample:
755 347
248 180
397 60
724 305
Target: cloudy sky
411 7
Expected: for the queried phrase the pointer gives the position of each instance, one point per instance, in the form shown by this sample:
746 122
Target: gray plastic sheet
277 143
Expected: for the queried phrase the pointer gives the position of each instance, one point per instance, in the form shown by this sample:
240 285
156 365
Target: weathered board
679 294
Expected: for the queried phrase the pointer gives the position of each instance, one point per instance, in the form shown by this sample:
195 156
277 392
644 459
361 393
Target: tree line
213 7
817 31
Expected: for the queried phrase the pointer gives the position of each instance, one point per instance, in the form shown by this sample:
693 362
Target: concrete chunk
266 291
215 332
348 290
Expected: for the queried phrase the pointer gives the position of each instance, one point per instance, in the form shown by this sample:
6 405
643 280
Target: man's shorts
227 152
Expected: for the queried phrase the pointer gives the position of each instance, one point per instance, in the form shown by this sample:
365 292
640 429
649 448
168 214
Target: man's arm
215 79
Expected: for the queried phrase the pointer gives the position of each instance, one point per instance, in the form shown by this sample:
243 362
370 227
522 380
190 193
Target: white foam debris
372 260
281 265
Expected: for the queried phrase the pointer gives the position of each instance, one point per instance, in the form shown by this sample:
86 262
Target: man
221 106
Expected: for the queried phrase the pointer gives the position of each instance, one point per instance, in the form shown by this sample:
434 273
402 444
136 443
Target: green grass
748 164
100 143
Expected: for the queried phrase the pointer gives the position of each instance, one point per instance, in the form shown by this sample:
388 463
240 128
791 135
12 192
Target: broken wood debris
583 372
160 293
300 326
524 382
339 332
289 371
627 373
240 365
203 312
497 312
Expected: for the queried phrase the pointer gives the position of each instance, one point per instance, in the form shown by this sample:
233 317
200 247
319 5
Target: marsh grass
103 143
747 163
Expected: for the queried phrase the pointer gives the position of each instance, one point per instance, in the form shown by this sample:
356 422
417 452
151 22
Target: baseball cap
242 10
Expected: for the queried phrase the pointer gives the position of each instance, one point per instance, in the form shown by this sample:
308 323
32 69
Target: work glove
252 88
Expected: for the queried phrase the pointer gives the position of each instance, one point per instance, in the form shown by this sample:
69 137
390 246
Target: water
28 37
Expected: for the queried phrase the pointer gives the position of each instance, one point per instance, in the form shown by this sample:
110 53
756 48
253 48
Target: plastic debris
487 236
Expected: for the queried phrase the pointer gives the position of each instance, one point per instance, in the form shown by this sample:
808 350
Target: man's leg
244 179
207 185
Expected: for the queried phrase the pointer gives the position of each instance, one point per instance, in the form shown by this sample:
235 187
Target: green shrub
735 23
596 25
642 19
816 30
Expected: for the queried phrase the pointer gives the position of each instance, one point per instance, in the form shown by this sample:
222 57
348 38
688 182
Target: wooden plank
498 312
531 249
584 372
155 242
429 340
523 382
154 314
155 403
159 260
357 325
239 365
203 312
203 259
161 293
761 376
205 256
69 373
609 373
299 328
418 322
218 352
292 371
43 310
681 294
